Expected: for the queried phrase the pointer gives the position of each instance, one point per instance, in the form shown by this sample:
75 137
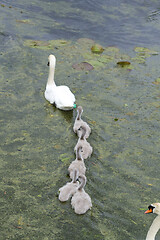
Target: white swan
81 201
153 208
79 122
69 189
86 147
78 164
61 96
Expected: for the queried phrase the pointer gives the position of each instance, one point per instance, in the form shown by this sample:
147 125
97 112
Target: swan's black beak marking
48 64
150 209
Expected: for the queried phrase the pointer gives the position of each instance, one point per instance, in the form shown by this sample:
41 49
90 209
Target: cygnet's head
79 109
51 60
78 153
83 131
154 208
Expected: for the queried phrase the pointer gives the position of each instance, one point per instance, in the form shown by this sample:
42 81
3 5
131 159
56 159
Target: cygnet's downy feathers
78 164
80 123
86 147
81 201
69 188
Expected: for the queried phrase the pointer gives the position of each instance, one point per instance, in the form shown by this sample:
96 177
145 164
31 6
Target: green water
121 104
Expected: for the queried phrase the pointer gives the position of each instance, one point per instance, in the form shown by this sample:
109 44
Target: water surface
120 104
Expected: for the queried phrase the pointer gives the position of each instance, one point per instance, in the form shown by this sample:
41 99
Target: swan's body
61 96
81 201
69 189
78 164
86 147
153 208
80 123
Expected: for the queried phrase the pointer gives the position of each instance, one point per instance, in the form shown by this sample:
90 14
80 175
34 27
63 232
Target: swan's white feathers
50 97
61 96
153 208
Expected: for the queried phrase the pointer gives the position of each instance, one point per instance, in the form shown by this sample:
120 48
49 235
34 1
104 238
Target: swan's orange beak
149 210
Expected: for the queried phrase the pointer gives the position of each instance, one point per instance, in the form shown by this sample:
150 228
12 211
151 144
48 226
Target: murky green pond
121 103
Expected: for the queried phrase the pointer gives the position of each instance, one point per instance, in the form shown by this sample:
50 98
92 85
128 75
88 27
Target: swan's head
51 60
154 208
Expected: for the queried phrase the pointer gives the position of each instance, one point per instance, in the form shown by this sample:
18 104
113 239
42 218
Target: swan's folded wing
64 97
49 94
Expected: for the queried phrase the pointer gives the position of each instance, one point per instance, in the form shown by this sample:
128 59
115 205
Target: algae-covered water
121 101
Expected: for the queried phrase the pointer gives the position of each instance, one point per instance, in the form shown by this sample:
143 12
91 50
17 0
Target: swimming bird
79 122
78 164
153 208
81 201
69 188
86 147
61 96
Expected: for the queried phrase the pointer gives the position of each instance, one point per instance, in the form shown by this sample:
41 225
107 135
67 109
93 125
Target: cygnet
86 147
69 188
81 201
79 122
78 164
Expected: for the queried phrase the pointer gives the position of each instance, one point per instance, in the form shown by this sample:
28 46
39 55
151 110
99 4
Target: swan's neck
51 75
153 229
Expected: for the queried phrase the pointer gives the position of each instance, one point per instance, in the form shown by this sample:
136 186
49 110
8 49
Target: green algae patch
85 54
105 58
157 81
59 42
138 59
144 50
112 50
96 63
88 55
45 44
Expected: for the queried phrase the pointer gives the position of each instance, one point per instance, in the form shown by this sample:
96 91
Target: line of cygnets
80 201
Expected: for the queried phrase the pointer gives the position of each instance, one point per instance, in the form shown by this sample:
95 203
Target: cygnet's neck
83 182
75 175
78 154
51 75
82 137
79 114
